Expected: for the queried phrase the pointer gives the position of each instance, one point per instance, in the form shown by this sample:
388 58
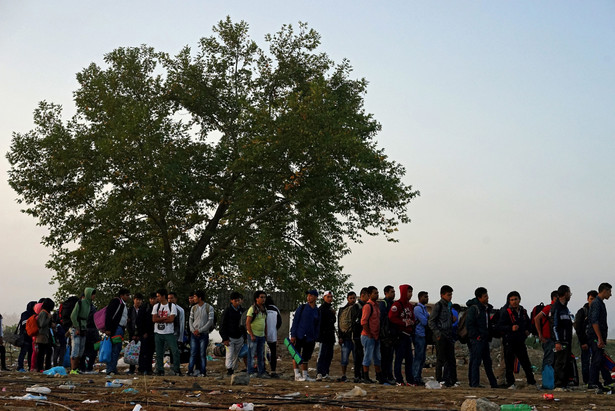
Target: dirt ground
215 392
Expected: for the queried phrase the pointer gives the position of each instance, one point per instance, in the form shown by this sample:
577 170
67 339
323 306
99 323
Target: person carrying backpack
542 322
401 318
389 336
79 328
580 326
562 336
26 348
441 323
200 322
163 316
347 316
43 338
514 326
477 325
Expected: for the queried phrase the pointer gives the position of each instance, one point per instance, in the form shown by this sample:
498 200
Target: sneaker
229 371
367 380
264 376
319 377
342 379
160 373
357 380
299 378
21 370
309 379
274 375
73 372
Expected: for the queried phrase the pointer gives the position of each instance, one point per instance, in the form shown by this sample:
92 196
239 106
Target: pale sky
502 113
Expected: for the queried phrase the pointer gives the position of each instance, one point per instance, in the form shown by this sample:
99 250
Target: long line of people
387 333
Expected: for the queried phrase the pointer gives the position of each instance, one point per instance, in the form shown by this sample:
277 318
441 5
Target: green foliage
227 167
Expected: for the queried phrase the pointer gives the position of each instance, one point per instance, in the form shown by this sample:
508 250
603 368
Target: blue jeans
347 348
256 347
403 352
371 349
116 349
198 350
419 358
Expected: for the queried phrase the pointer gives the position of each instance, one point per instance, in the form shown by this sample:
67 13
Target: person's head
269 301
364 294
591 295
124 294
513 299
481 295
423 297
153 299
327 297
172 297
236 299
604 290
351 297
162 296
373 293
446 293
409 292
259 297
191 298
554 295
138 300
563 293
198 296
389 292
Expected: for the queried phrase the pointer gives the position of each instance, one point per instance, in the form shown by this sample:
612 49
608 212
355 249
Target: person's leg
3 357
346 348
160 346
419 359
260 354
194 352
173 347
274 355
585 358
560 369
488 364
409 360
251 352
440 358
595 364
33 359
548 354
203 343
509 360
358 359
22 356
450 367
400 351
116 348
524 360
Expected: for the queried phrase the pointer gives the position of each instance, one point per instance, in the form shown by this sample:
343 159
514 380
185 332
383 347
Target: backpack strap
511 315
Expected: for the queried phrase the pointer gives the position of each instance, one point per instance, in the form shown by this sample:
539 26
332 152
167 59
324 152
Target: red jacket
401 313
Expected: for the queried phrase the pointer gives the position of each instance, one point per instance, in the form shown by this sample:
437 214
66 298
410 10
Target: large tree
231 166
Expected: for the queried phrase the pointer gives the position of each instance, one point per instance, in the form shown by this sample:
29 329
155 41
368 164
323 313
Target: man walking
597 332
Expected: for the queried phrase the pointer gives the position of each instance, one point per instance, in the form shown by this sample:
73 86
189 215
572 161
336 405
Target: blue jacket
306 323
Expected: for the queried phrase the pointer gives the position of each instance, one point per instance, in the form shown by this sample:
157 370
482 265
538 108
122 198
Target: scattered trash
517 407
246 406
548 397
55 371
124 382
130 391
38 389
137 407
214 392
195 403
90 402
112 384
291 394
30 397
433 385
481 404
66 387
355 392
3 389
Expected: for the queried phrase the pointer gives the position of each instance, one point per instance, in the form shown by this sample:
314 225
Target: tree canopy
228 166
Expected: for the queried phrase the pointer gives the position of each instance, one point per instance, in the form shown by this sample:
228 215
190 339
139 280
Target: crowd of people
389 334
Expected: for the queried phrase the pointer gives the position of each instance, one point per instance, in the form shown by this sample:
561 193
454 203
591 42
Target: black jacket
327 324
562 323
580 324
477 322
510 317
229 326
115 309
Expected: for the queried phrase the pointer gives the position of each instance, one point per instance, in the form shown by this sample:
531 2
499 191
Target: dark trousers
403 352
585 363
517 349
25 353
273 349
89 357
325 356
43 359
561 365
596 366
387 349
358 358
479 352
446 367
146 355
3 357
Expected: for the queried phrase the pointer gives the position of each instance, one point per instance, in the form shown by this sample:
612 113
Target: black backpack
537 309
66 309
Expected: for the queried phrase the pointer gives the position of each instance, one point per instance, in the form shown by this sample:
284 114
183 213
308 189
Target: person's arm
209 310
249 324
433 321
365 314
395 315
538 326
594 316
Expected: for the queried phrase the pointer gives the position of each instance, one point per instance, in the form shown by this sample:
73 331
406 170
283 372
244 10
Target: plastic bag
548 377
131 353
104 355
55 371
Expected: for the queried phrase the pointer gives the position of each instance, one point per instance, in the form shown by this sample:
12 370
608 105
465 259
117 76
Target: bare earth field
215 392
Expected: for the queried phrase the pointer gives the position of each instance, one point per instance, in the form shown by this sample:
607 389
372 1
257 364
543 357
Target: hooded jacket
477 322
401 314
81 312
24 318
44 322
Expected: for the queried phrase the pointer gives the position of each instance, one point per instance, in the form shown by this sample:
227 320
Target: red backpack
32 325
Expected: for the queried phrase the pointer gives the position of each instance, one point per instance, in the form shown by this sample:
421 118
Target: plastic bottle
516 407
113 384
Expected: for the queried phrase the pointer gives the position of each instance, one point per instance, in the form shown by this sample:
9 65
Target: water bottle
516 407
